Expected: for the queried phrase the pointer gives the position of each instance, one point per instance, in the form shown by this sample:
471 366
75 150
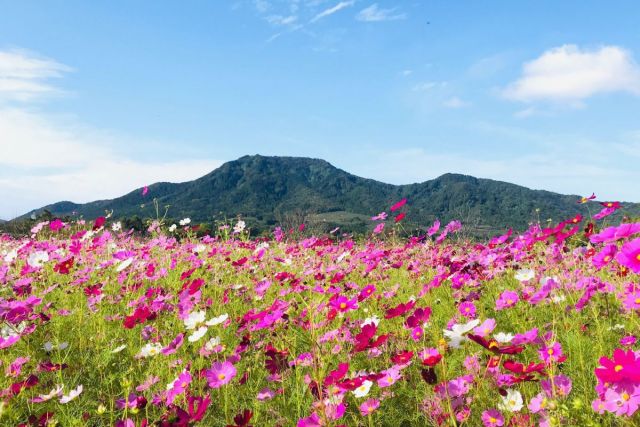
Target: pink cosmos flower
379 228
492 418
178 386
369 406
624 365
507 299
551 353
605 256
417 333
467 309
631 301
312 420
626 398
628 340
344 304
220 374
380 217
434 228
485 328
389 377
398 205
629 255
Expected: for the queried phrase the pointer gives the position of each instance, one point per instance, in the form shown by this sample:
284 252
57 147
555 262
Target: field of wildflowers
101 327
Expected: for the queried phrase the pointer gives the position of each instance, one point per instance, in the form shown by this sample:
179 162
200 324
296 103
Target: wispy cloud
330 11
375 14
47 158
455 102
281 20
23 75
569 74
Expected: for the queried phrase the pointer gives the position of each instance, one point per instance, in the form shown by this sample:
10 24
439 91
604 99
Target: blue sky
99 98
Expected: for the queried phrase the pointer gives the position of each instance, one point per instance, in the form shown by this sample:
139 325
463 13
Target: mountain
266 191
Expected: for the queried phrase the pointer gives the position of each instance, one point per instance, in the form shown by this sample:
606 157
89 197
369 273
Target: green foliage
266 191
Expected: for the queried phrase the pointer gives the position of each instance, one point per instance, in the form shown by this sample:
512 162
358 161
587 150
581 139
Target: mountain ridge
267 190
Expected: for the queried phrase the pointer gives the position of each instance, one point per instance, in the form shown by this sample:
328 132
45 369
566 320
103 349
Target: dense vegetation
104 327
269 191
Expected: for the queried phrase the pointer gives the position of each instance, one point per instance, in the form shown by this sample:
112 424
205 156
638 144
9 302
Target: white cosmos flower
37 259
525 274
456 334
512 401
199 248
53 393
116 226
194 319
10 256
124 264
502 337
217 320
373 319
172 228
212 343
150 349
72 395
119 349
558 298
239 227
49 346
199 333
363 390
185 221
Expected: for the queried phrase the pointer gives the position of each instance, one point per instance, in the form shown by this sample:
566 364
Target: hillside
271 190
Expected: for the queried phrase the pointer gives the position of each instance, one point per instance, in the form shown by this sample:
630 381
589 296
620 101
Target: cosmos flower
221 373
457 332
72 395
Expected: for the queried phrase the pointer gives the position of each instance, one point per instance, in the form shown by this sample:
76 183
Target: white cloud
46 158
262 5
374 14
281 20
455 102
427 86
330 11
549 171
569 74
23 75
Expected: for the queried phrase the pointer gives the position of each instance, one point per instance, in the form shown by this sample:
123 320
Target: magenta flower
507 300
416 333
389 377
631 301
492 418
551 354
368 406
626 398
629 255
220 374
312 420
379 228
178 386
485 328
628 340
605 256
344 304
467 309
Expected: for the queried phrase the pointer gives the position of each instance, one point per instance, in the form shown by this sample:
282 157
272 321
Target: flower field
101 327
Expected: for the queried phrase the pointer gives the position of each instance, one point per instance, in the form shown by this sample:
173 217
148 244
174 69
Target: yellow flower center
493 420
607 258
638 257
389 379
550 352
637 301
625 396
509 301
343 305
370 409
221 377
618 368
